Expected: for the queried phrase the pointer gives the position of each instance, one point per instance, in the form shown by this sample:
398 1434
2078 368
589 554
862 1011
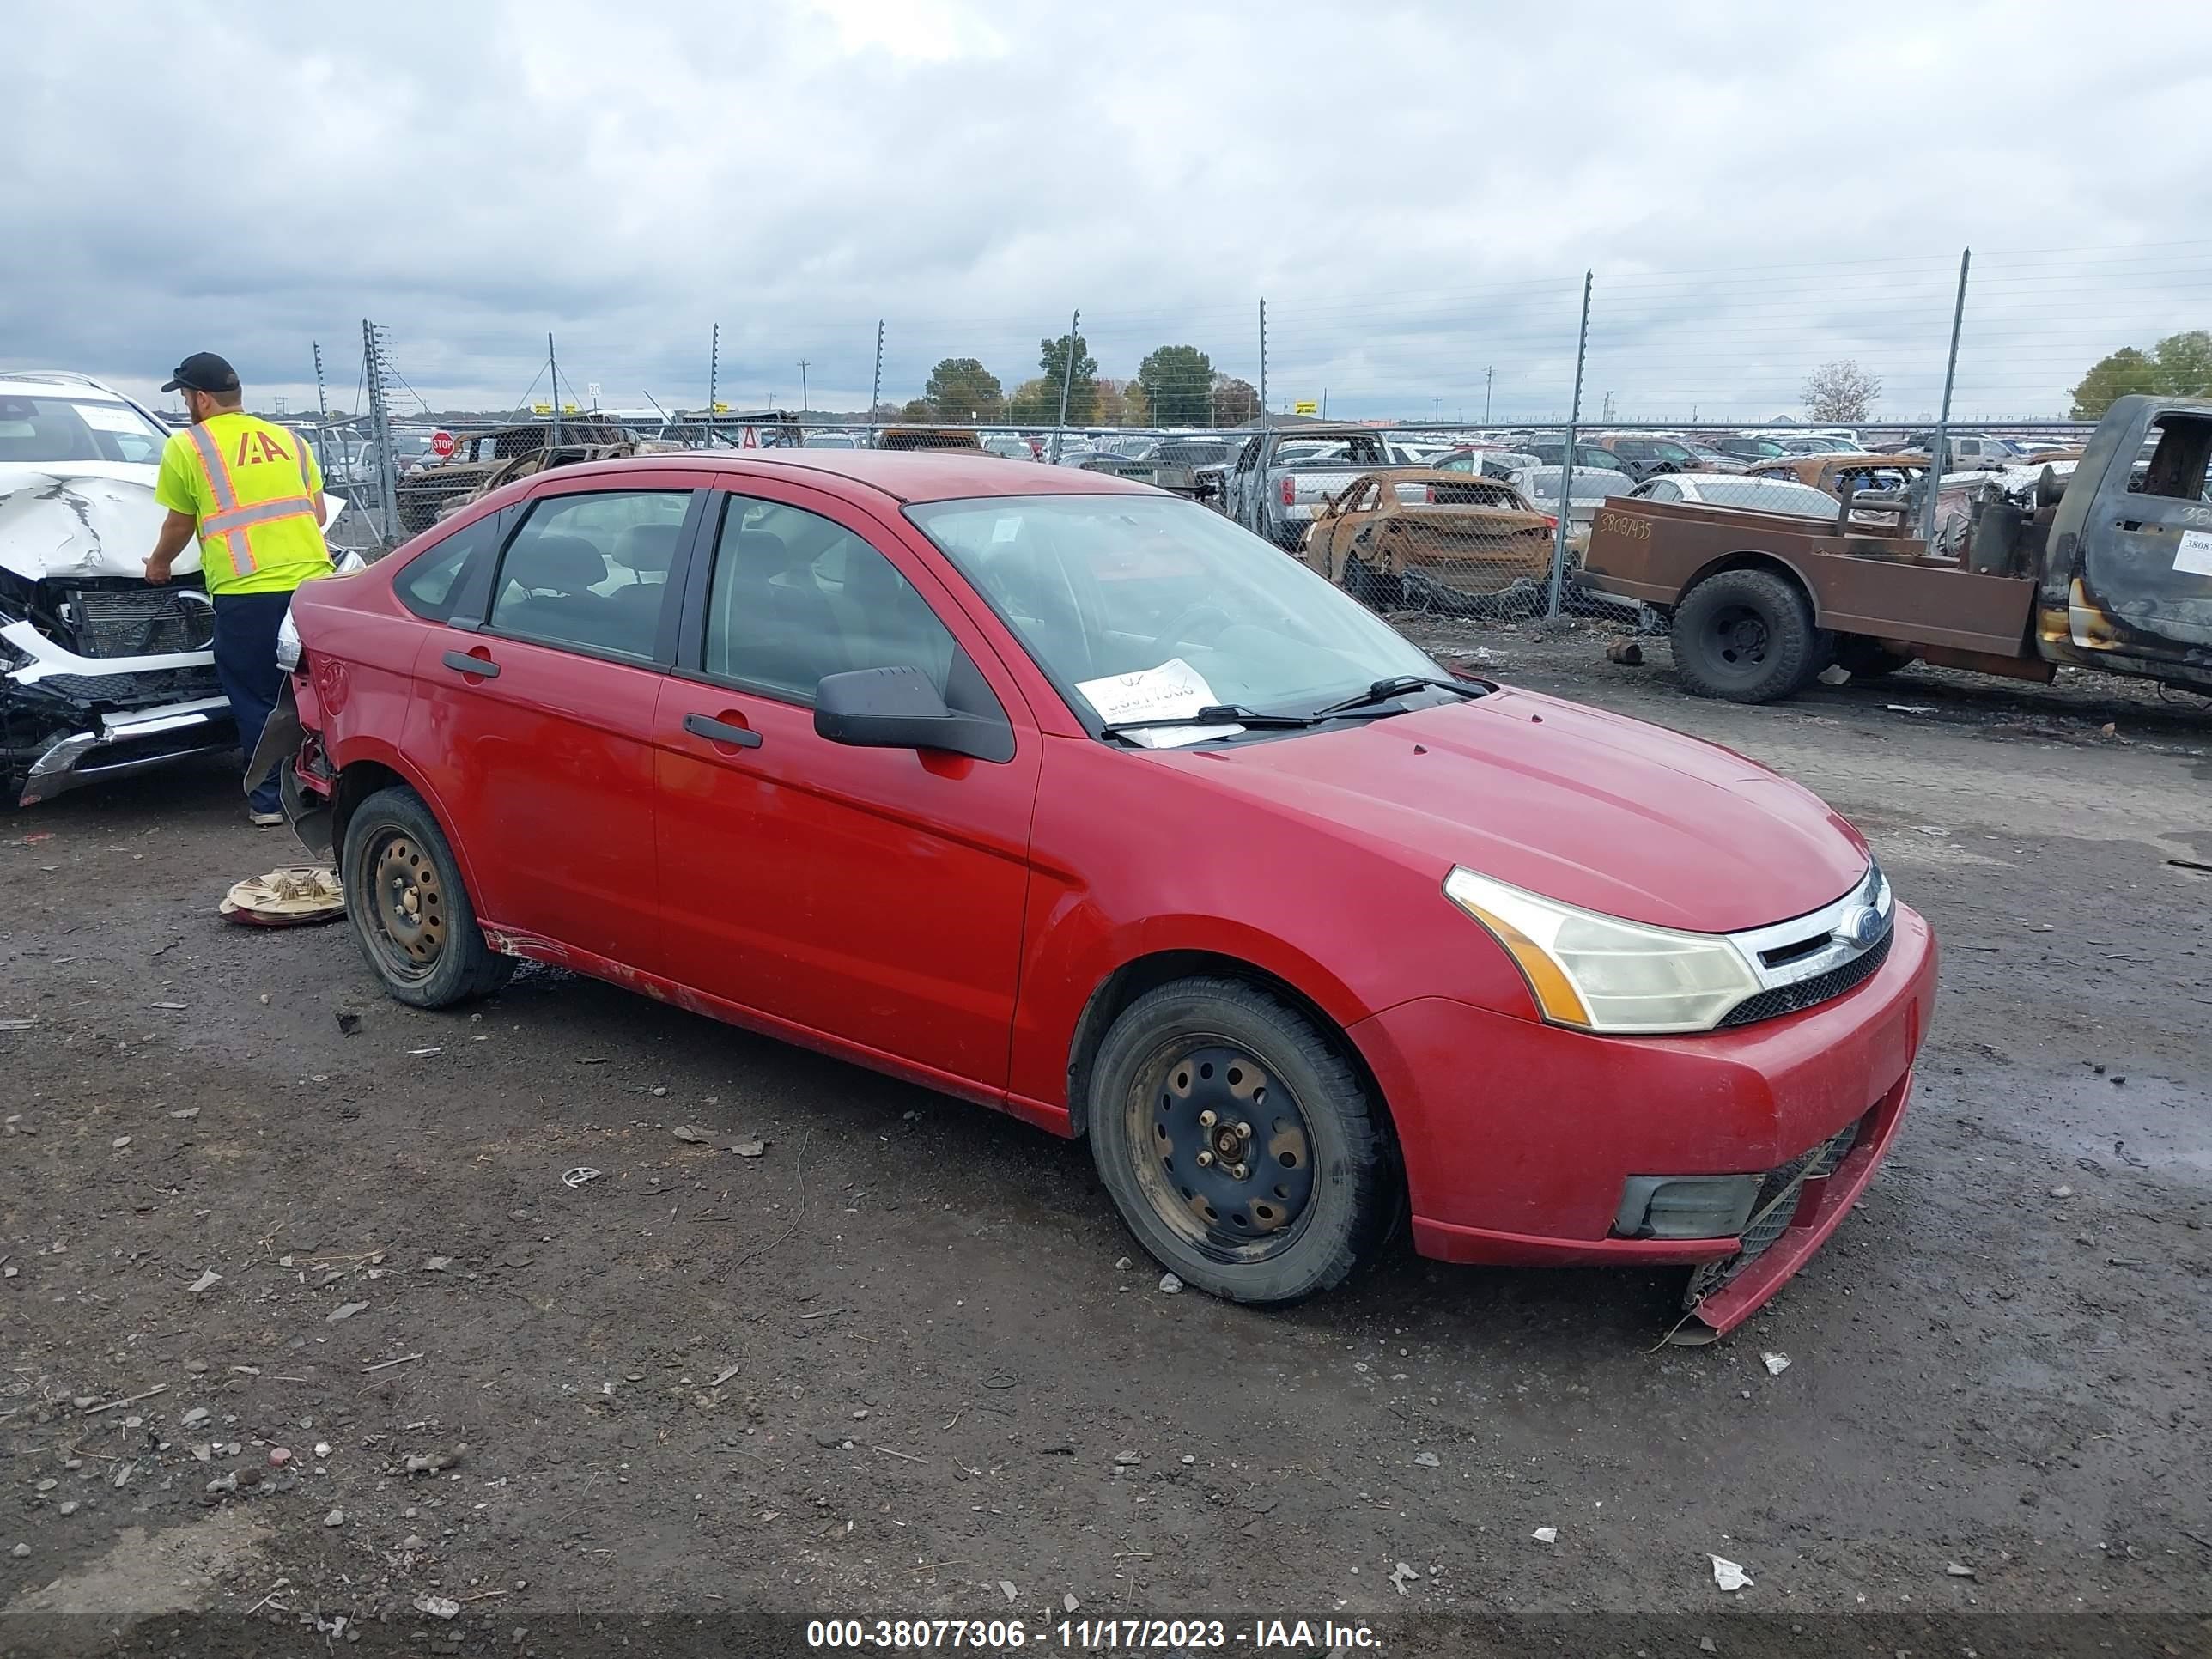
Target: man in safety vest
253 494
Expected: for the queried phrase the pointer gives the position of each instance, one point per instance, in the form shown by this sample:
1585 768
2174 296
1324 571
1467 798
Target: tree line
1174 385
2179 365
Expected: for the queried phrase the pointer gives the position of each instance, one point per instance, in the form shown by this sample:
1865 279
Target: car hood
1589 808
89 520
96 519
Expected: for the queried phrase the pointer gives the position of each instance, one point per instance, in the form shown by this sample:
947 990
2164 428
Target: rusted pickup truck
2111 568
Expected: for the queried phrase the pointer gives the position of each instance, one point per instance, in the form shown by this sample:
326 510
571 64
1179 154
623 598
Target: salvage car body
2109 568
1277 499
483 462
1400 535
102 673
973 925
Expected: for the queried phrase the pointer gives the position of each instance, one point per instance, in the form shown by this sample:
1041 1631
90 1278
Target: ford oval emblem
1859 928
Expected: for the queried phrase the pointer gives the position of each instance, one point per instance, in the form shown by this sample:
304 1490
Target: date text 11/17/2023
1094 1635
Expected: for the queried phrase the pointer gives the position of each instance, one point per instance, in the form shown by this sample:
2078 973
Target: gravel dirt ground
268 1237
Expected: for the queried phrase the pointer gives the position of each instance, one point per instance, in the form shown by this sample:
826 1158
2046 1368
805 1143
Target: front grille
1811 992
1776 1207
140 622
144 690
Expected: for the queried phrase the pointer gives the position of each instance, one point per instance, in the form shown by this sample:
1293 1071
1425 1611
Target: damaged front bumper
67 720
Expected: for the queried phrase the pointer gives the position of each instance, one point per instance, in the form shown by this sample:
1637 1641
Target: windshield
1110 593
43 429
1542 483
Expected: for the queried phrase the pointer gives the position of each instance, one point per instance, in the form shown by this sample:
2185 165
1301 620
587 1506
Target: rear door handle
464 663
714 731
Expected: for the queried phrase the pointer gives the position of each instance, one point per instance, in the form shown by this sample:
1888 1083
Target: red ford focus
1069 797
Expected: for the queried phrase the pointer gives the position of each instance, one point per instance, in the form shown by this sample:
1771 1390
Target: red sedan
1068 797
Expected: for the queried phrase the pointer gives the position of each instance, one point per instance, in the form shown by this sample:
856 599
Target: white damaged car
101 672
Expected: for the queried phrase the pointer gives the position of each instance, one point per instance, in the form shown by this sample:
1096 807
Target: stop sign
442 444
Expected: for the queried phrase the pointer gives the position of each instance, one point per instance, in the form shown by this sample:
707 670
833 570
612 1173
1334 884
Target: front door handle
466 663
714 731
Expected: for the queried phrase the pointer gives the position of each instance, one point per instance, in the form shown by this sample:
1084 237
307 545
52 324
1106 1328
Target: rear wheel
1238 1142
1747 636
410 913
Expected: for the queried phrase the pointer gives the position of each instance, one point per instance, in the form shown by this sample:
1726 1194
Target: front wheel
1747 636
410 913
1370 588
1238 1142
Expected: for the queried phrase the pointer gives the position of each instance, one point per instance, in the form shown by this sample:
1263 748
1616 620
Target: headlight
1601 973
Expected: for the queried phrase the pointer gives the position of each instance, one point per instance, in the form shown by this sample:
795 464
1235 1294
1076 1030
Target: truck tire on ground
1745 636
410 913
1238 1142
1868 658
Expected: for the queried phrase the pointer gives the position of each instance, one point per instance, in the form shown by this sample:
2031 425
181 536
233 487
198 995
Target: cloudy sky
1416 190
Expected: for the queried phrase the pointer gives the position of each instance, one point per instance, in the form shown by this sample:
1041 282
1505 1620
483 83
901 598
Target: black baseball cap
203 371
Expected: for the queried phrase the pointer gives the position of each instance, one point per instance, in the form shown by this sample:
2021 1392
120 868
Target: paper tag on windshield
108 417
1179 736
2194 553
1173 689
1005 530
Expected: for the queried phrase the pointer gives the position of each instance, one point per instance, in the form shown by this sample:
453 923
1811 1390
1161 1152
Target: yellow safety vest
259 525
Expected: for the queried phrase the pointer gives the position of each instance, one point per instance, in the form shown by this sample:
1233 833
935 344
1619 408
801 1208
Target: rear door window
591 571
432 584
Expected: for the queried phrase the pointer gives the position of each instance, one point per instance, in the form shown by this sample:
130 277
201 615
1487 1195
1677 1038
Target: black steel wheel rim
1739 637
406 915
1223 1153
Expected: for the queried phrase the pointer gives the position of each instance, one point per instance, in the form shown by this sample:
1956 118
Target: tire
1371 588
1868 658
411 915
1745 636
1317 1194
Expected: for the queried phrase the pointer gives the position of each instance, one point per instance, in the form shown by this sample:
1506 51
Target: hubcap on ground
1223 1151
410 909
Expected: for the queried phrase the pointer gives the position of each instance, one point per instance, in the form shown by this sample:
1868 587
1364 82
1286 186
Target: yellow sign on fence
1303 407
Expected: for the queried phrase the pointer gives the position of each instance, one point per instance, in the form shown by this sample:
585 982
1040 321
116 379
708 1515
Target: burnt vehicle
1444 541
101 672
482 462
2110 567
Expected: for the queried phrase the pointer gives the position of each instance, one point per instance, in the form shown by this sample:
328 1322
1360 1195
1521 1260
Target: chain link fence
1554 398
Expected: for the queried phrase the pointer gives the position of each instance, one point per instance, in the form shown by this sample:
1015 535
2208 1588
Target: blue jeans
246 627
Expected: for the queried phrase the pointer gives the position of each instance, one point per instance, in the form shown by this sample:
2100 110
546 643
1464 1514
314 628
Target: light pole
1487 374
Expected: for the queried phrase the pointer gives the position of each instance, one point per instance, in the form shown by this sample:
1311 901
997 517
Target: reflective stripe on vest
216 470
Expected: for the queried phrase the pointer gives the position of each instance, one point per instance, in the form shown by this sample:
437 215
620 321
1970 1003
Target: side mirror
899 708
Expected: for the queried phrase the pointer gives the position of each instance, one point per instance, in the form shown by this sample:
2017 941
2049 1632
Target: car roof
63 379
911 475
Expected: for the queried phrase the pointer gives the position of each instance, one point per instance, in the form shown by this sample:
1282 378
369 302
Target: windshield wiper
1219 713
1397 686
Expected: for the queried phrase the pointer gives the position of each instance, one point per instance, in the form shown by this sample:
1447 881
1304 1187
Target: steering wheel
1183 618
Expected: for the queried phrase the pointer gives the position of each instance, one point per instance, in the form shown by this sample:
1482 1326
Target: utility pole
876 391
713 371
322 392
1264 416
802 387
1436 409
1066 383
1943 418
554 364
1486 374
